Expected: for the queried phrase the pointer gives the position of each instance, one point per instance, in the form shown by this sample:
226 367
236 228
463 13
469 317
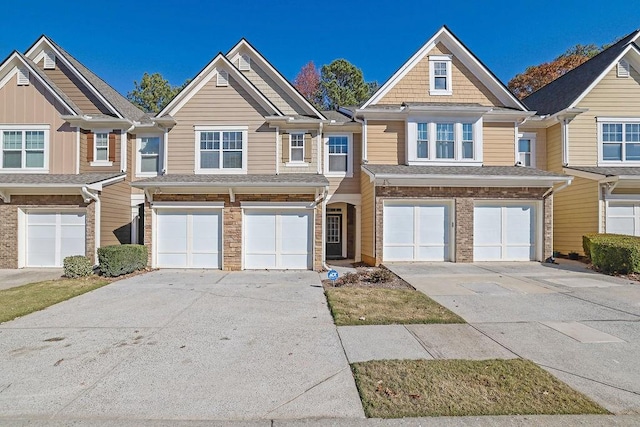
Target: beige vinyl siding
554 148
498 142
283 142
612 97
34 104
541 149
85 163
367 218
386 142
414 86
575 213
131 163
115 214
222 106
67 81
349 185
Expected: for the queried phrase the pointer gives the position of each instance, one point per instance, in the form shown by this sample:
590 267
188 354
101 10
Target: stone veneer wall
464 198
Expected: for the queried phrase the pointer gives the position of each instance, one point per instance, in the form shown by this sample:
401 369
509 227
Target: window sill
338 174
101 163
445 162
146 174
297 164
2 170
436 92
220 172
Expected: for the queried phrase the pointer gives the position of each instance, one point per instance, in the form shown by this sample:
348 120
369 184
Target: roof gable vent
23 76
49 60
623 68
223 78
244 62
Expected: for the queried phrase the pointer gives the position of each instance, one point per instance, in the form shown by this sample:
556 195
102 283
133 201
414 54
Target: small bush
77 266
350 278
122 259
381 275
586 243
613 253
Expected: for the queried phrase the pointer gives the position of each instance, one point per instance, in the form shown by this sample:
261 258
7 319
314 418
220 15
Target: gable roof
204 76
461 52
567 90
284 83
15 58
110 97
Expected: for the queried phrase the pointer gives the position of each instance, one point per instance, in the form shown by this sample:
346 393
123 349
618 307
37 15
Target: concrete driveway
191 345
581 326
10 278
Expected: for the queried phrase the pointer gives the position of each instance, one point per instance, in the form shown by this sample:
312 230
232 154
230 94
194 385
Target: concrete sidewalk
10 278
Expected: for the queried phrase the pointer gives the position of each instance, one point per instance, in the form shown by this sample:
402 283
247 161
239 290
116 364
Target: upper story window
101 147
296 148
526 150
444 141
221 149
148 155
339 155
24 149
619 140
440 75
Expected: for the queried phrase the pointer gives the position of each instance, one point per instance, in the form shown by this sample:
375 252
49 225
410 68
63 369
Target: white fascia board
284 83
187 205
469 180
277 205
87 122
583 174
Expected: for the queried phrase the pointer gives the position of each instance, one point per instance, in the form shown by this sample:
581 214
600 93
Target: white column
358 254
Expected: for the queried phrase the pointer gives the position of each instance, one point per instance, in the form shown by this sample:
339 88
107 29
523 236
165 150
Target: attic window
440 75
623 68
223 78
244 62
23 77
49 60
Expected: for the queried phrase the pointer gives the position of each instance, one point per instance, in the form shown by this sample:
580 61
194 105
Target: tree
342 83
308 84
537 76
153 92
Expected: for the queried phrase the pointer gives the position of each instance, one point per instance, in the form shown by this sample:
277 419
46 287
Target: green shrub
586 242
613 253
77 266
122 259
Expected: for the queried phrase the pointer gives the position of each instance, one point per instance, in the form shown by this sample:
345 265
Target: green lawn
380 306
22 300
421 388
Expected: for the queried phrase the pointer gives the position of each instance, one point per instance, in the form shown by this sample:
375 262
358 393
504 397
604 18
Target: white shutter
49 60
223 78
623 68
244 62
23 76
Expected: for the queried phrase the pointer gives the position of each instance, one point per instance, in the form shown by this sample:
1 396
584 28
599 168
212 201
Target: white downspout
77 150
320 157
278 150
123 148
565 142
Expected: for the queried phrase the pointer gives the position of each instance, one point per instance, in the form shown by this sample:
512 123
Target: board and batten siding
34 104
386 142
575 213
222 106
367 219
414 86
498 140
612 97
349 185
115 214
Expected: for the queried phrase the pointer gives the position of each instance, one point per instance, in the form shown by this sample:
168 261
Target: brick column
232 232
378 228
464 229
148 231
90 230
317 238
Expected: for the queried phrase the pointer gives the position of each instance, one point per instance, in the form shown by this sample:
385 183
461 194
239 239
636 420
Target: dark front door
334 236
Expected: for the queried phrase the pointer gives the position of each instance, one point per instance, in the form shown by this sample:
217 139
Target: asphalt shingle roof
258 180
608 171
52 179
563 91
480 171
336 116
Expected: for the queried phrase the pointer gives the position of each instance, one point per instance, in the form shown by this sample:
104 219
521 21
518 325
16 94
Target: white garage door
277 239
623 218
188 239
52 236
504 233
416 232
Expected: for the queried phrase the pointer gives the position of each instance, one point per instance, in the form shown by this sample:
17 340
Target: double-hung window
445 141
437 140
339 155
24 149
149 155
297 147
620 141
440 75
101 147
423 141
221 149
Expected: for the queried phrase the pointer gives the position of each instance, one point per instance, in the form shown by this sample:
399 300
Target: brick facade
232 222
464 199
9 222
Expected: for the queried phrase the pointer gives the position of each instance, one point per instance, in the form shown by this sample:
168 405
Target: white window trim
615 120
297 163
531 136
245 140
458 160
100 163
349 172
432 81
24 128
139 172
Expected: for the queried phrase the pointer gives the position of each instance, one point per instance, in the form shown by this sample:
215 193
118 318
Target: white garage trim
279 206
623 215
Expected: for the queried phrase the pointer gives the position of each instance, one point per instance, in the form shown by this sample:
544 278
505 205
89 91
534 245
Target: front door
334 236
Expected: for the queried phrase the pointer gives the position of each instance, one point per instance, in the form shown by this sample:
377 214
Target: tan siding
85 164
115 214
34 104
349 185
367 217
222 106
386 142
540 147
499 144
414 86
575 212
554 148
75 89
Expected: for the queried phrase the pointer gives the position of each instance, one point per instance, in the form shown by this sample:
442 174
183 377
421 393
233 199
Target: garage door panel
296 225
519 253
398 224
172 260
261 227
621 210
53 236
623 218
504 233
621 225
172 232
433 225
206 228
485 231
520 221
426 253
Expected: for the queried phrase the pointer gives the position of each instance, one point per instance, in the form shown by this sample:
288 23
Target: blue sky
120 40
